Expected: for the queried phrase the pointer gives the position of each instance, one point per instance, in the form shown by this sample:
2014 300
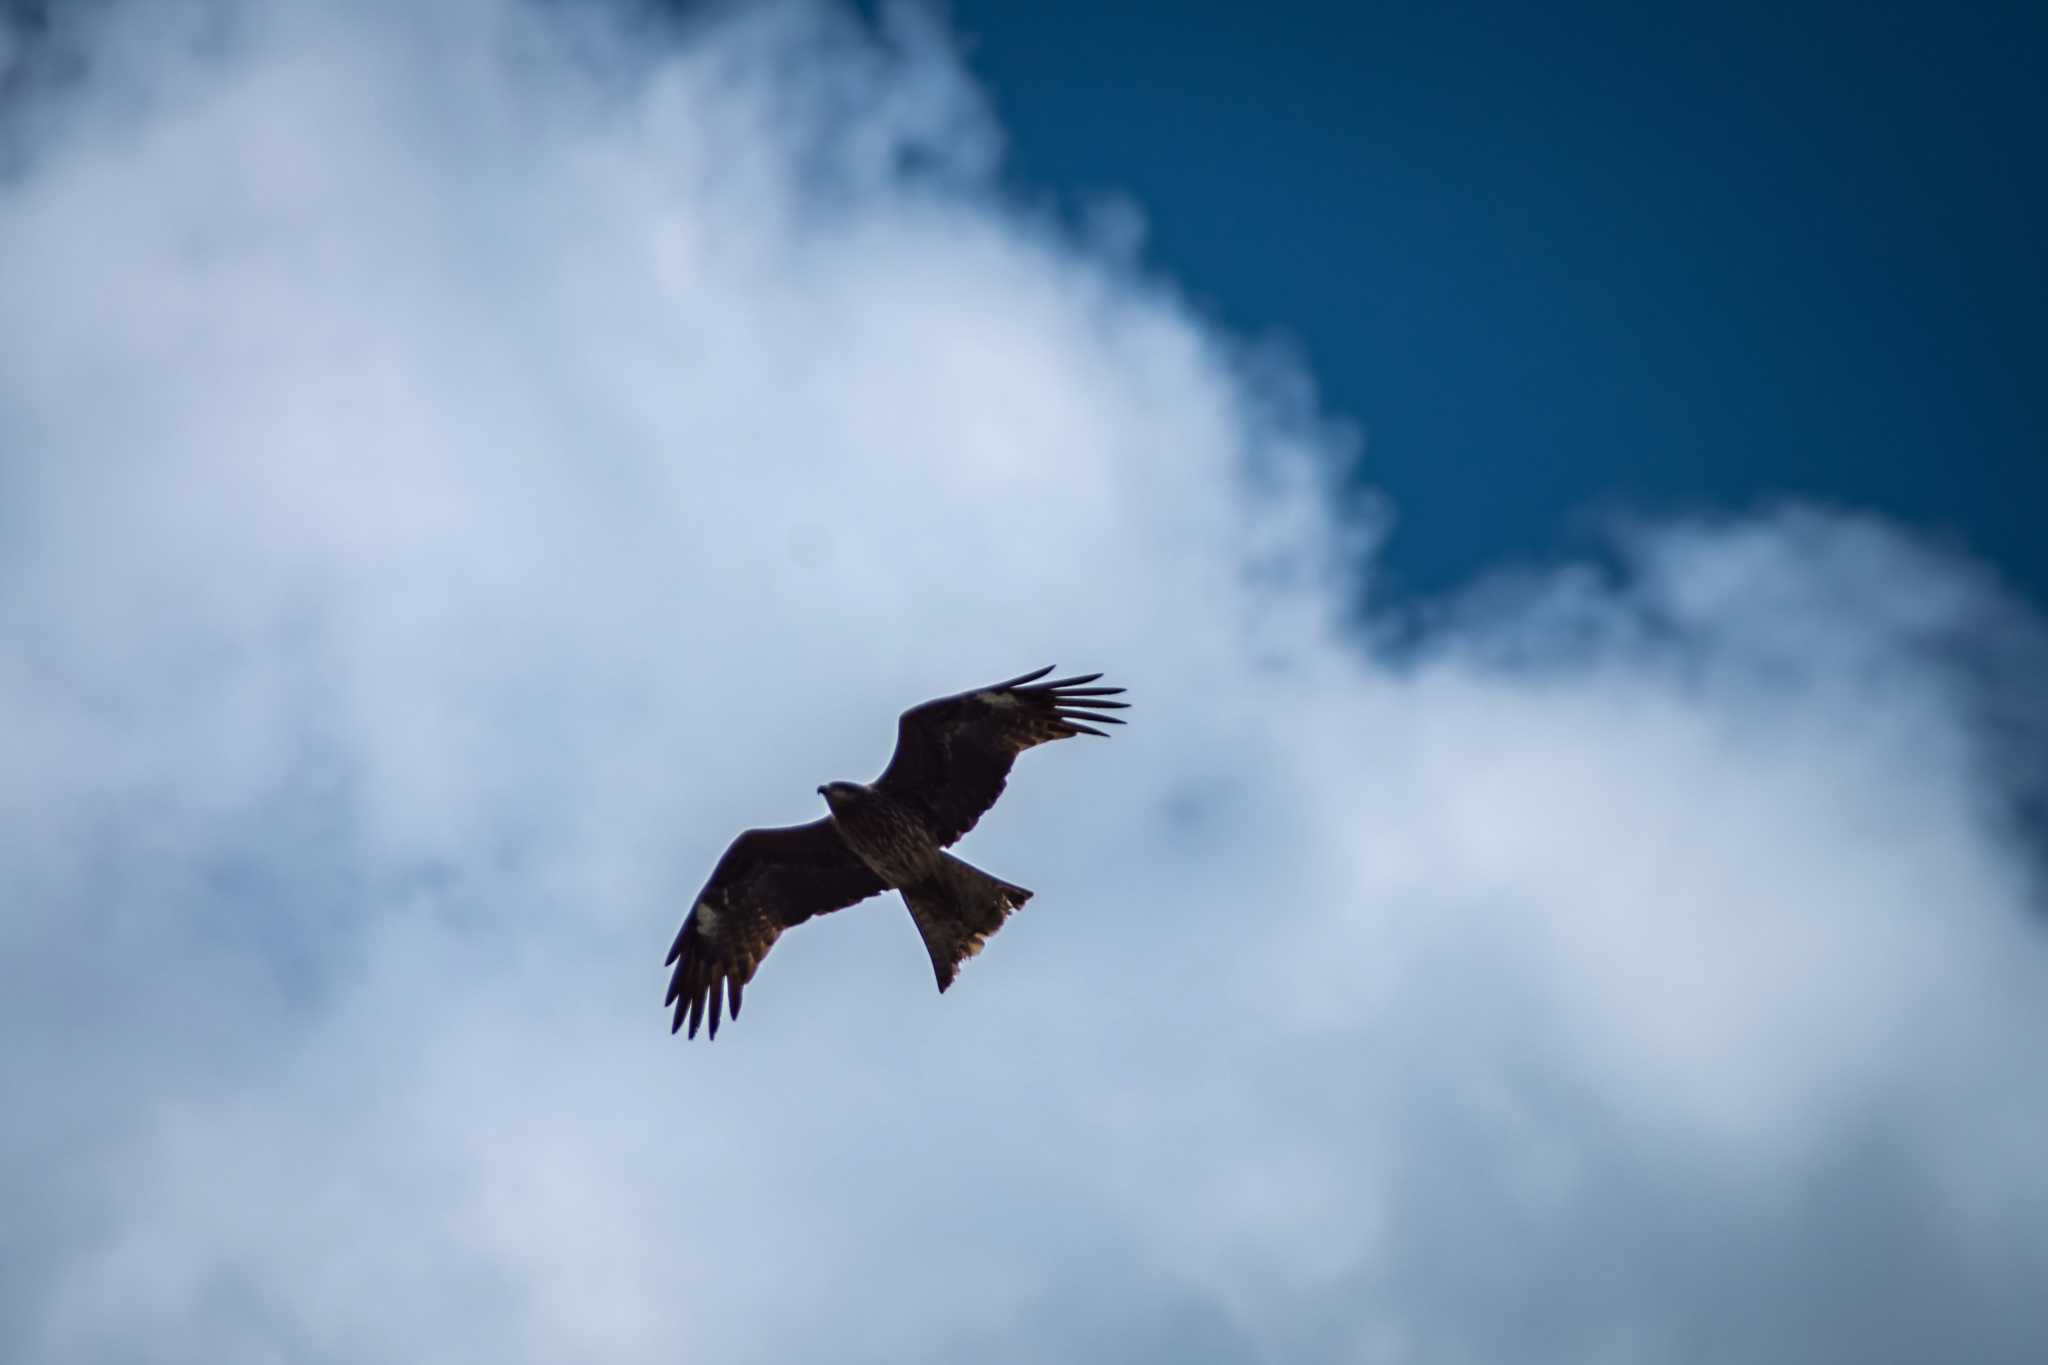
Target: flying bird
952 758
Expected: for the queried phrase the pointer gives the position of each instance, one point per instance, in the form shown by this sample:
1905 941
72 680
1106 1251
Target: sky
460 464
1570 261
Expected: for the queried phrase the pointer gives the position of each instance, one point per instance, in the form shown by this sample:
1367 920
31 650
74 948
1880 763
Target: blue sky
459 464
1593 257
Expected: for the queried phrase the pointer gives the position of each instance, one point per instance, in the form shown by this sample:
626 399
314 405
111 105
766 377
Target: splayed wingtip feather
1023 678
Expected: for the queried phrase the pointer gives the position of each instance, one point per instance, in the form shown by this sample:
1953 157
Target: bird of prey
952 758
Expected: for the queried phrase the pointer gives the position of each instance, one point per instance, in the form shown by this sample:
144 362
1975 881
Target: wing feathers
953 755
768 880
1021 679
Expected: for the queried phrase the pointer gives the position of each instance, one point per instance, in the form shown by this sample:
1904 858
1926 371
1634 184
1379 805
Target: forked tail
956 909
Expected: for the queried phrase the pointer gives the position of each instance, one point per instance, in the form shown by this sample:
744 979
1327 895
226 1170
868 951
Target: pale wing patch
707 919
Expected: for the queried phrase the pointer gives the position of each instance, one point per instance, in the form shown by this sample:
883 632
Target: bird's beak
821 791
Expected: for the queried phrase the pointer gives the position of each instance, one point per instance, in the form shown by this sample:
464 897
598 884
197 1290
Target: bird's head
837 793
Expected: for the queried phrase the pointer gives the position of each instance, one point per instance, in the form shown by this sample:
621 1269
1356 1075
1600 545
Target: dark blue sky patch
1591 257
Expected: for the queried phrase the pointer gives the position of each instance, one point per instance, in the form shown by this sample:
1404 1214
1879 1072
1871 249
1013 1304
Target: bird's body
882 832
952 758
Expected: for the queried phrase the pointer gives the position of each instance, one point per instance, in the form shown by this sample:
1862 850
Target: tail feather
956 910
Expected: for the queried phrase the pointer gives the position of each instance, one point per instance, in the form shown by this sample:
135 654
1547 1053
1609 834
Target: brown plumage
952 759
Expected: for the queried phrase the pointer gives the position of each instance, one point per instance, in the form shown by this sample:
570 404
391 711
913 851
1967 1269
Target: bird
953 757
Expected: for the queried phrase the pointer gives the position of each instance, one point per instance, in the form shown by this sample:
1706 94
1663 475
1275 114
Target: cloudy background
459 464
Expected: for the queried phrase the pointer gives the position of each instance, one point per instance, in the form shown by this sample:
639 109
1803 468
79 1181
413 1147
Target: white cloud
465 462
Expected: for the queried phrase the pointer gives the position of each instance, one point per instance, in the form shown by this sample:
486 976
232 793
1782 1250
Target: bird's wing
954 754
768 880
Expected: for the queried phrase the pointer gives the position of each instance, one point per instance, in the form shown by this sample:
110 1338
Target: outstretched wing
768 880
954 754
